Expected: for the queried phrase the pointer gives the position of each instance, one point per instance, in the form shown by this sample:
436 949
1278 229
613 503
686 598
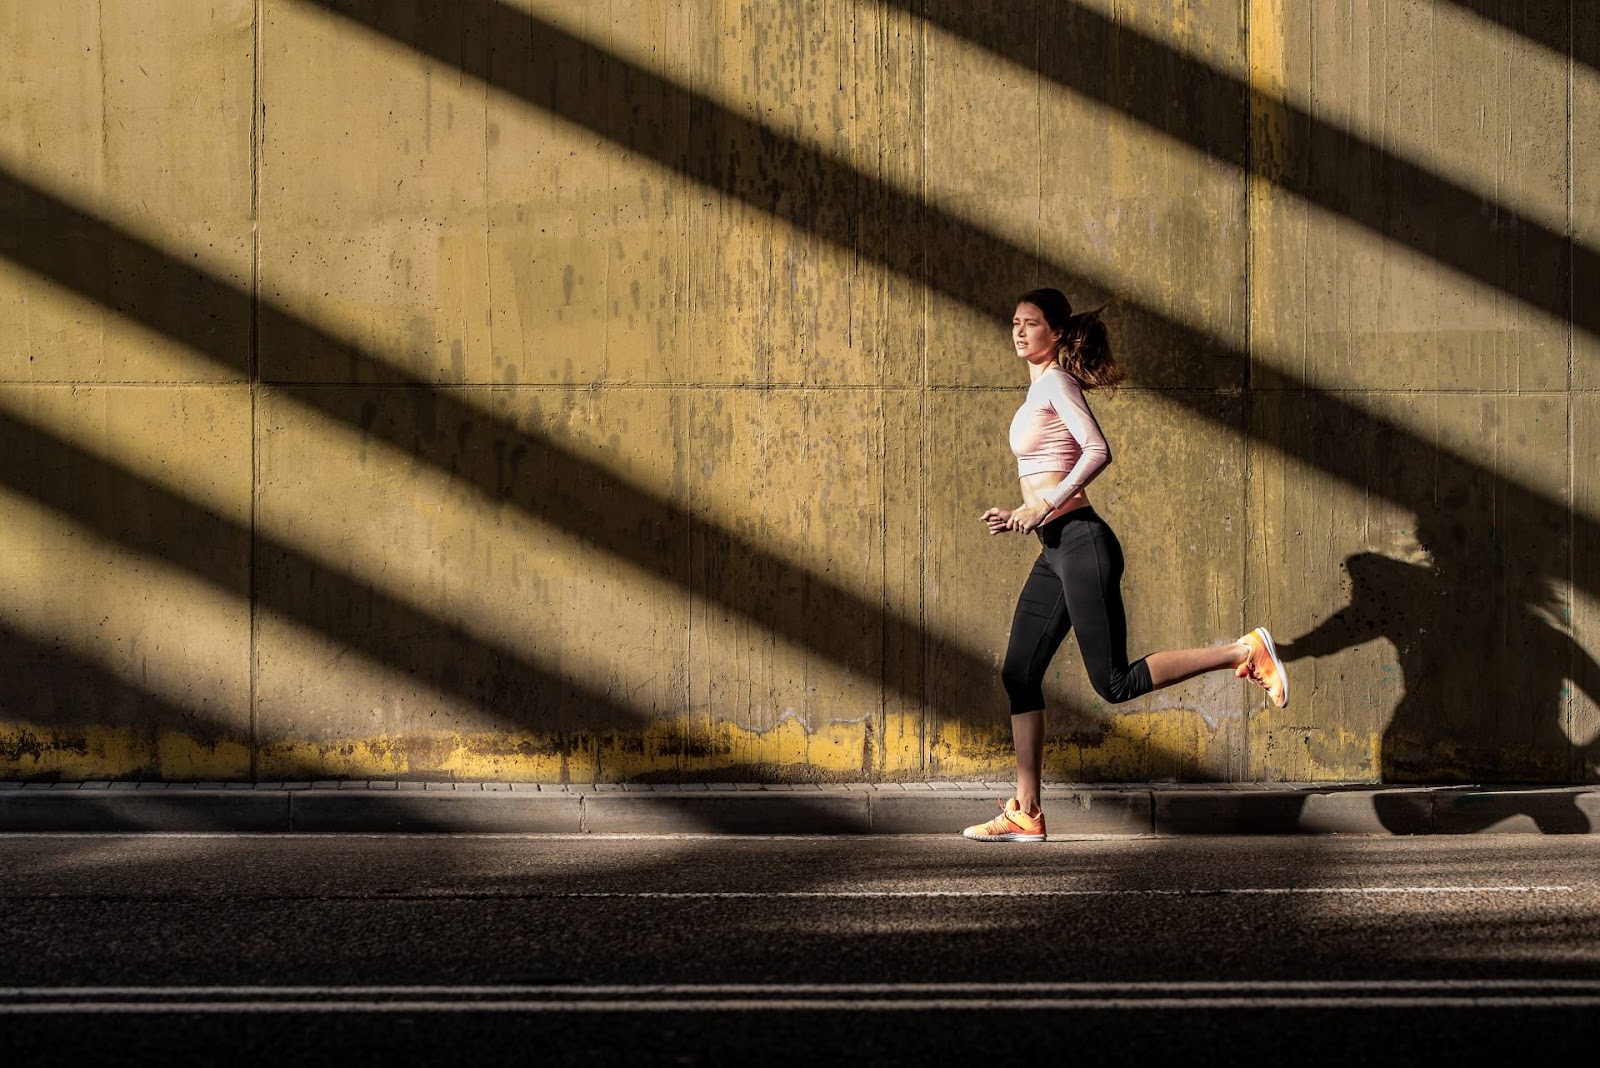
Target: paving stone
727 813
1293 811
1207 812
452 811
144 810
1569 810
1367 812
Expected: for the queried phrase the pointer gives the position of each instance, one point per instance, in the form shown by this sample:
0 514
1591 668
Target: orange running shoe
1264 668
1012 825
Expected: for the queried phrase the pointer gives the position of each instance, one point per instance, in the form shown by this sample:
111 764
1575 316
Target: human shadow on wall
1477 698
1468 594
1483 682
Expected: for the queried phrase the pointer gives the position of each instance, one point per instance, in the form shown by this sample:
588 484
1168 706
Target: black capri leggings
1076 582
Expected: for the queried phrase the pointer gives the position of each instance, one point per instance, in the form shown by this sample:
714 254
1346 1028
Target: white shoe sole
1003 837
1272 651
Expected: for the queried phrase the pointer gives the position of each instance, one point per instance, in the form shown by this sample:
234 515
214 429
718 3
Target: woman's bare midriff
1034 487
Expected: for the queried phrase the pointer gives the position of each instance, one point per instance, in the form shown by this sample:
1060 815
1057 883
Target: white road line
1084 986
806 1004
818 895
813 895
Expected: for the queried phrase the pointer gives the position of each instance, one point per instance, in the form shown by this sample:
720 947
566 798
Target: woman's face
1034 339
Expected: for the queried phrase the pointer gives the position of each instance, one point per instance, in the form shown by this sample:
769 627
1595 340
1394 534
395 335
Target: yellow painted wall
554 390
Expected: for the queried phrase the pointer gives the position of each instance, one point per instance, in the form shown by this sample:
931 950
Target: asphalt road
539 950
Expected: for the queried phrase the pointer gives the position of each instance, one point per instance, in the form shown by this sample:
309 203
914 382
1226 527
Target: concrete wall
576 391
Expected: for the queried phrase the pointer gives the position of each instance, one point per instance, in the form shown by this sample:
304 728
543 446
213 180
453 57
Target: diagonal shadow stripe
147 518
811 189
125 507
554 484
1209 109
645 114
1565 26
42 683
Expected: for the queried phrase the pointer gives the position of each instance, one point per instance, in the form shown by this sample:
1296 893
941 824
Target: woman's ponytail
1085 351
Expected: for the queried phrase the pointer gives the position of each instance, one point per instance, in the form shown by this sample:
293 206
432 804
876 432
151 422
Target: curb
860 808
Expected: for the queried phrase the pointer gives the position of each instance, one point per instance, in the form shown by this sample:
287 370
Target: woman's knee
1118 687
1024 687
1111 689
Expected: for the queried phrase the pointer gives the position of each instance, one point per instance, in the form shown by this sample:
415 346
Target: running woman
1076 581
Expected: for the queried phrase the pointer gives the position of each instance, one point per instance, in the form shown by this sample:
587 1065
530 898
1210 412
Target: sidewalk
753 808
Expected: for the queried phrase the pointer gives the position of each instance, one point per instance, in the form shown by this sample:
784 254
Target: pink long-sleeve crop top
1054 430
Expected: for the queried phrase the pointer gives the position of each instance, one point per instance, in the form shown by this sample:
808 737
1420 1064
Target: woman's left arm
1094 455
